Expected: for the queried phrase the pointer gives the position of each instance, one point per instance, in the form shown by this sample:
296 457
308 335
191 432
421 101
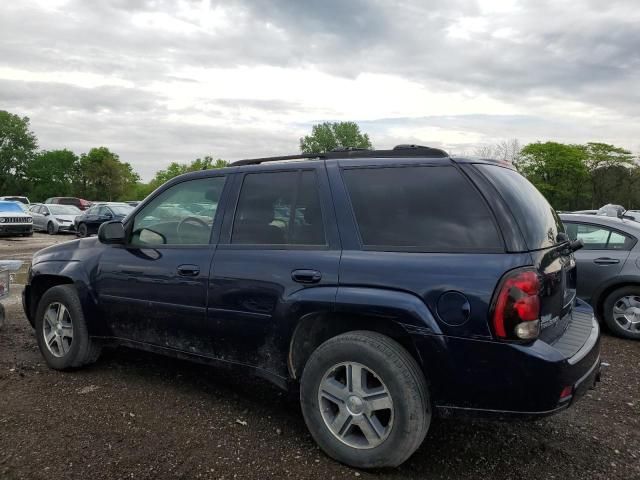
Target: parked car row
58 215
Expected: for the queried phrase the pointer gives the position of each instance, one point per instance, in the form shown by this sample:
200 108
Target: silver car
53 218
608 269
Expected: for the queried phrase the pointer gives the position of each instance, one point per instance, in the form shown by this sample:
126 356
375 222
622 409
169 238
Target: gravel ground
137 415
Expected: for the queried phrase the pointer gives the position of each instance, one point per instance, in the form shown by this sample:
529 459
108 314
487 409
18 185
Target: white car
54 218
14 221
16 198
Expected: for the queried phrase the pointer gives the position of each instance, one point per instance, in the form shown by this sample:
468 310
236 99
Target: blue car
389 287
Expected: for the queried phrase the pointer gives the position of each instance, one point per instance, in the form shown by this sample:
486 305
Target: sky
158 81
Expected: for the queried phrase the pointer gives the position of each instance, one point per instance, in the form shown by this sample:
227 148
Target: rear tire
61 330
50 228
621 311
83 231
375 419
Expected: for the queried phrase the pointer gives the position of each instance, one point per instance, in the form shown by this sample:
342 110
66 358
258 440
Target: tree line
575 176
98 174
571 176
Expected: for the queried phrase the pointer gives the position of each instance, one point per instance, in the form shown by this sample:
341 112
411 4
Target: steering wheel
194 220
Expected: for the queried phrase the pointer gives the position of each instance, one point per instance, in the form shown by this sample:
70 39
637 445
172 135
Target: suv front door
153 289
277 260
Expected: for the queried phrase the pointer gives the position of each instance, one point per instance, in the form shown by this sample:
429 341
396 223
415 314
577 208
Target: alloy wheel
356 405
57 329
626 313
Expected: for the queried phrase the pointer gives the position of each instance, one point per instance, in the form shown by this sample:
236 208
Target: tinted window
279 208
538 222
181 215
599 238
425 208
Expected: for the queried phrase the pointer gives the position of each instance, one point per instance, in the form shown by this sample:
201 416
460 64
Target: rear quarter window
537 220
420 208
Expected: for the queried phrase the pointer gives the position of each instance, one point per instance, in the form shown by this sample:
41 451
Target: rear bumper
500 379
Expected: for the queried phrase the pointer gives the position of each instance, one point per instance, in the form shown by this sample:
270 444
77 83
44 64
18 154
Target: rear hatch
547 243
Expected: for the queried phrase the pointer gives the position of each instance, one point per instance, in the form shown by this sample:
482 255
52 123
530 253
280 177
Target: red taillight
516 313
566 392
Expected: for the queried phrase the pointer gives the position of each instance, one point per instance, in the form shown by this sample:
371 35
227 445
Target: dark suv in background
390 286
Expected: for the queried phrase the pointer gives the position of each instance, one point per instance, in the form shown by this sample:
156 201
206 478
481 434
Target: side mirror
111 233
46 214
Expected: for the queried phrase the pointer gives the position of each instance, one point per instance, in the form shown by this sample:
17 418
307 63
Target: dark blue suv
388 286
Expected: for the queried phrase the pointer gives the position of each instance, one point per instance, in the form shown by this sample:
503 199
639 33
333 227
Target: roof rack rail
350 152
256 161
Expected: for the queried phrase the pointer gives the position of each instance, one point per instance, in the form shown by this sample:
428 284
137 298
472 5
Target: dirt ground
137 415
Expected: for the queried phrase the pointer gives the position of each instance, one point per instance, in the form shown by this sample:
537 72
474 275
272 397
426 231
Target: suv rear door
419 226
543 234
277 259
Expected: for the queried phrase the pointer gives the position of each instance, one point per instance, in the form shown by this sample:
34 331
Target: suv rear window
538 221
279 208
425 208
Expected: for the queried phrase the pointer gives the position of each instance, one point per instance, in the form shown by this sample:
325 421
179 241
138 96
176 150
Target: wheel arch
598 299
393 313
38 286
314 329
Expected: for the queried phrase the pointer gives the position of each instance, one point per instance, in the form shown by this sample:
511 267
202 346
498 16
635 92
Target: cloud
162 80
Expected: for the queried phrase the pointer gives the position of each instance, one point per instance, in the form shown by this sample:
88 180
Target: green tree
174 169
328 136
17 146
608 168
559 171
50 174
102 176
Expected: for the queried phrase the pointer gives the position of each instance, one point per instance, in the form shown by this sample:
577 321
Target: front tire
365 400
50 228
61 330
621 311
83 231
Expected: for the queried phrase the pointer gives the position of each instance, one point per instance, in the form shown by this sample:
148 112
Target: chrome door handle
606 261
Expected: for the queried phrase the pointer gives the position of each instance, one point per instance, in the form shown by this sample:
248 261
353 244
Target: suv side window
599 238
421 208
279 208
181 215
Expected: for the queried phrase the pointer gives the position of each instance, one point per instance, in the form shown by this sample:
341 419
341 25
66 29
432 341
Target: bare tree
508 151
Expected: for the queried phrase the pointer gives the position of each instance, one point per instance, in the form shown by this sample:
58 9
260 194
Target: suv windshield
538 221
10 207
